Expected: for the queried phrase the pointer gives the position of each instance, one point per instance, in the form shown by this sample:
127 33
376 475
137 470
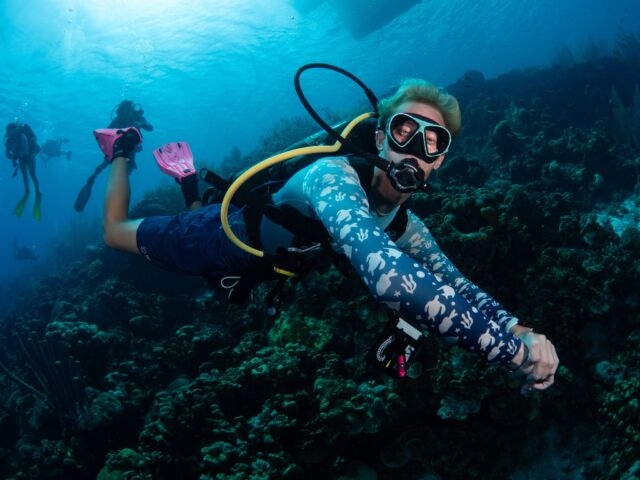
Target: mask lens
437 140
403 128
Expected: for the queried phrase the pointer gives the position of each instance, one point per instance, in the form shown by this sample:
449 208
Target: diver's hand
125 143
541 362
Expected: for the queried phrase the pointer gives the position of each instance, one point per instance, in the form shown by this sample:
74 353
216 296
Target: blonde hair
417 90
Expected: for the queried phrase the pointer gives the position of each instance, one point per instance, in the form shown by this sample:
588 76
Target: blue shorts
194 243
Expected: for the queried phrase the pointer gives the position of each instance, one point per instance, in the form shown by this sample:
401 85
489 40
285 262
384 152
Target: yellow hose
267 163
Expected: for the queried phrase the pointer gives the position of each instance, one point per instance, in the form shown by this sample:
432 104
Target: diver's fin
37 212
175 159
84 195
106 137
20 205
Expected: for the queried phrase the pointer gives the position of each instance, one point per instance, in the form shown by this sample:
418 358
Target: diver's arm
333 190
144 124
418 242
13 156
541 358
11 149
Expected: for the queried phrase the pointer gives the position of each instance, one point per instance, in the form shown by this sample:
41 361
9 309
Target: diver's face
423 110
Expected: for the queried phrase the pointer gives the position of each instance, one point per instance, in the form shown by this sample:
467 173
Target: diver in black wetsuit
21 147
24 253
53 148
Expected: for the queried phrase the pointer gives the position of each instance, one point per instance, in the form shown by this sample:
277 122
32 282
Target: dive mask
419 136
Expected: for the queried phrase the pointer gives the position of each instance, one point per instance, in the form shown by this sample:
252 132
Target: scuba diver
21 147
127 114
353 206
53 148
24 253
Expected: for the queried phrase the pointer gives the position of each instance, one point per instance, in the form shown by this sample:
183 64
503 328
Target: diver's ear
438 162
380 139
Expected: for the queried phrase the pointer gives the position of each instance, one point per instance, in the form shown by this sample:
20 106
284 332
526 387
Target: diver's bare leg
119 231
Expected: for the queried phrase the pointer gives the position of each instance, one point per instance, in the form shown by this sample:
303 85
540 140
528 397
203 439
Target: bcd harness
310 250
311 241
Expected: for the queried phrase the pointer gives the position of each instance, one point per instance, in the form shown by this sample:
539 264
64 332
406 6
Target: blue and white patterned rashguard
411 275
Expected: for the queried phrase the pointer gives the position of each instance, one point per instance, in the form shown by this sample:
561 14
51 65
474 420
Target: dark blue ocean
219 75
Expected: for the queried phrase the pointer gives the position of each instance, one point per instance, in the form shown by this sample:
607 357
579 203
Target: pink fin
175 159
106 137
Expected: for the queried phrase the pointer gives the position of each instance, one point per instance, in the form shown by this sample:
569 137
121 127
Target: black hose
348 144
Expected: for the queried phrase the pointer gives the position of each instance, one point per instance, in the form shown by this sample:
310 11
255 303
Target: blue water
219 74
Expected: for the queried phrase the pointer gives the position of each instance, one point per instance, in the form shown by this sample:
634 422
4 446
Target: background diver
127 114
21 147
402 267
53 148
24 253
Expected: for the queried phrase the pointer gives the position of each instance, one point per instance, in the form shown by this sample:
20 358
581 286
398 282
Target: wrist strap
525 358
189 187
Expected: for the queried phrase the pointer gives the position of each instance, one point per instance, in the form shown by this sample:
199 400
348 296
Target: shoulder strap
304 228
364 169
399 223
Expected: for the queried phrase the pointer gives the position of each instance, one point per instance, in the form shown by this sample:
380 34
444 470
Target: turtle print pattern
412 276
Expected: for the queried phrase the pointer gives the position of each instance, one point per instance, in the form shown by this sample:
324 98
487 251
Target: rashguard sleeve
332 188
419 243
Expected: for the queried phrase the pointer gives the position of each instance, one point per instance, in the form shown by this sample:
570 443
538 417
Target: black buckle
395 347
